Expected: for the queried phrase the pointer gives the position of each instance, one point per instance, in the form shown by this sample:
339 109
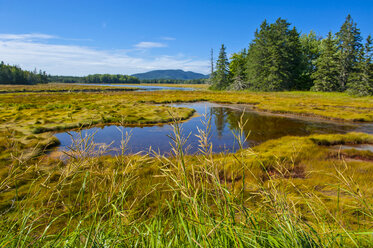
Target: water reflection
225 120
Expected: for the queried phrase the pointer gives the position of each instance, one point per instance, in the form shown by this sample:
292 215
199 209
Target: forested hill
170 74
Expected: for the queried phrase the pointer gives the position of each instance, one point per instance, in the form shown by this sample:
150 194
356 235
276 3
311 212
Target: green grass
30 118
288 192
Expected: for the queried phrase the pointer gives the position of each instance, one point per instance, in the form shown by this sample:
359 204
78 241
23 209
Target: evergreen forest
281 59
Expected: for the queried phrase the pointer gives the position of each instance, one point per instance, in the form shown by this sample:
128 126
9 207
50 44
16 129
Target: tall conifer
274 58
326 76
349 45
361 83
220 79
237 70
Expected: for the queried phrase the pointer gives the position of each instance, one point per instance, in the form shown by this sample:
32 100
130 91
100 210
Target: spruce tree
274 58
294 59
310 51
362 79
349 45
220 79
326 76
237 70
258 59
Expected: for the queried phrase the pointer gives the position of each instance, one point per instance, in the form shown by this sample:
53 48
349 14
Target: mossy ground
30 118
288 192
336 106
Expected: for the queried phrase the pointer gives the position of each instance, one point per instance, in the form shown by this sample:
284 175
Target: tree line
280 58
97 79
122 79
15 75
10 74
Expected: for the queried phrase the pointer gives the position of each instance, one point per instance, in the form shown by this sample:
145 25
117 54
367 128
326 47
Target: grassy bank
334 106
30 118
288 192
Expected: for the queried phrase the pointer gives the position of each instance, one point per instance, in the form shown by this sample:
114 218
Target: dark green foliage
15 75
310 51
349 45
220 79
110 79
326 76
65 79
274 59
170 74
97 79
280 59
361 83
237 70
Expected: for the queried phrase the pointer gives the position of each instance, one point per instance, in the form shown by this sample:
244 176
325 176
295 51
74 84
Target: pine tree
349 45
258 59
294 59
311 51
326 76
274 58
237 68
362 79
220 79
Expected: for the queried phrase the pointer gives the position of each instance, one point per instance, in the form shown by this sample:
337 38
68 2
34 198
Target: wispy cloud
168 38
34 36
60 59
149 44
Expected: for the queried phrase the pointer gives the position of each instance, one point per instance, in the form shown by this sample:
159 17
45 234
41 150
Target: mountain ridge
170 74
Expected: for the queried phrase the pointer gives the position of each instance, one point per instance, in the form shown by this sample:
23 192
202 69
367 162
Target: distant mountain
170 74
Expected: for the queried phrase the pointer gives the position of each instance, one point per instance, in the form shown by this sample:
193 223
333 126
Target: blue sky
83 37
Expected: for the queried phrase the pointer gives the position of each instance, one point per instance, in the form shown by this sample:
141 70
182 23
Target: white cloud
168 38
59 59
34 36
149 44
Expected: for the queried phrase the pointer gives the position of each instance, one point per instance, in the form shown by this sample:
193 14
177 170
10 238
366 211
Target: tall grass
149 200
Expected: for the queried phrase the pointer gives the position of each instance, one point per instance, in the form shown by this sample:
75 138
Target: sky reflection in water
261 127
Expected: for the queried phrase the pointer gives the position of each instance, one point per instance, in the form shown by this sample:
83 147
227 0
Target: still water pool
224 121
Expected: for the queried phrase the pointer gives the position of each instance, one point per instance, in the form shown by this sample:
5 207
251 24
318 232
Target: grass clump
338 139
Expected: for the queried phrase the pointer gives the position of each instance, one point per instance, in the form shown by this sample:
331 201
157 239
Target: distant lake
224 121
143 87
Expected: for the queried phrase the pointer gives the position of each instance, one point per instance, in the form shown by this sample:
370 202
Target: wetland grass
288 192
